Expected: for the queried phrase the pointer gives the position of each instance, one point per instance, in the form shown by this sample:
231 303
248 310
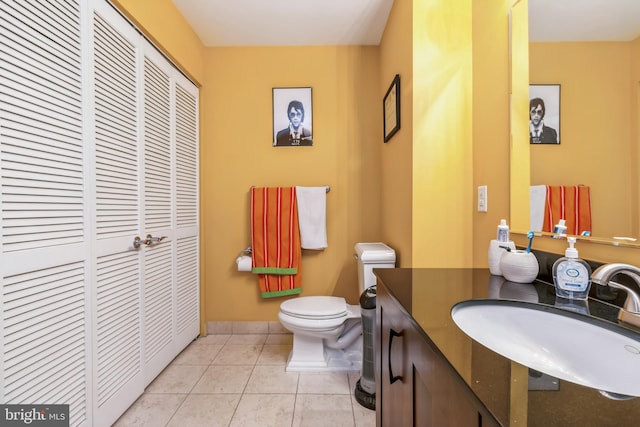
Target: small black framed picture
292 117
544 114
391 109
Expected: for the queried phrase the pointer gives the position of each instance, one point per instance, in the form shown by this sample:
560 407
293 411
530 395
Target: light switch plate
482 198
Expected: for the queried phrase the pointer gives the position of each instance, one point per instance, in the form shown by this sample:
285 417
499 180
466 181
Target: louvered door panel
186 156
44 332
118 376
158 303
187 287
43 207
118 330
41 127
157 148
158 310
116 133
187 208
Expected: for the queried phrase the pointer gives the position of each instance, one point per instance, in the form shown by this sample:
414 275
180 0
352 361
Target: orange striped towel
571 203
275 240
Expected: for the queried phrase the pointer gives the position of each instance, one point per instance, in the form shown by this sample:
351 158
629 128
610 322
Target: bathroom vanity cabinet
430 373
415 384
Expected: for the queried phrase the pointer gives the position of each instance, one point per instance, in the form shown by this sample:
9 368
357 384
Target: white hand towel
312 216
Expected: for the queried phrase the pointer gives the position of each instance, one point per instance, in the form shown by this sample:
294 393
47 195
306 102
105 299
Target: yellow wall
519 161
596 128
460 129
396 169
237 153
442 134
491 149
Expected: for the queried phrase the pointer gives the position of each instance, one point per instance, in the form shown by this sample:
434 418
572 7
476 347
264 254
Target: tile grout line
244 389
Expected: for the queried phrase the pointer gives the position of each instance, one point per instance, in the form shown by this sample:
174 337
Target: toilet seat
316 308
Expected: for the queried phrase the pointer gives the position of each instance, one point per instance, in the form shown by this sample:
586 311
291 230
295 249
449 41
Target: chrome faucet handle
605 272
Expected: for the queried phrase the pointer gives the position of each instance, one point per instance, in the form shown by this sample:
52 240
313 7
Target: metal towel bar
326 186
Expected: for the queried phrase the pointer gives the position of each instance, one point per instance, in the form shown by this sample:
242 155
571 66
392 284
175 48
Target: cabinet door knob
392 378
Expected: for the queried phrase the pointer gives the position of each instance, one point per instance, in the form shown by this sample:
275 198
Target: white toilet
327 332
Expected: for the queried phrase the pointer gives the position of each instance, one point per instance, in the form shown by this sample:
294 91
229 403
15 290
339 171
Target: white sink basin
566 345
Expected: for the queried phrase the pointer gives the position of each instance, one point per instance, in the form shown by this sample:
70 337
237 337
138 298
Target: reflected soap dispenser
572 275
560 228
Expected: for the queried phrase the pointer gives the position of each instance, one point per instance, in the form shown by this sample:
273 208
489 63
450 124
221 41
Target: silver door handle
150 239
137 241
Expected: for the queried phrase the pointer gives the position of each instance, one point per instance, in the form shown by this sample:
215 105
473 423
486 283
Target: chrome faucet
602 275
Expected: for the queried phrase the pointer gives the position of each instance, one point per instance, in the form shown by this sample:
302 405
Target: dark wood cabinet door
415 384
439 398
393 386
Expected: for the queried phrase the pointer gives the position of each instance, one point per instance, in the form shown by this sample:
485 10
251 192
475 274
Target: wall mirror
591 48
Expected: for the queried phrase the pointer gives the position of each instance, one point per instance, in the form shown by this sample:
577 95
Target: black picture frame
289 105
391 109
544 98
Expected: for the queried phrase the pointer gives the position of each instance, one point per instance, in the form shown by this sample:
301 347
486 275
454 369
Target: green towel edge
281 293
275 270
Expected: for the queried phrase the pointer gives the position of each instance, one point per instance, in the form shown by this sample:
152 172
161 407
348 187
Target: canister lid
375 252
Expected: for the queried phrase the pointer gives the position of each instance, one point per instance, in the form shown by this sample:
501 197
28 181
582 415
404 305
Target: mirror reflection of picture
544 114
292 117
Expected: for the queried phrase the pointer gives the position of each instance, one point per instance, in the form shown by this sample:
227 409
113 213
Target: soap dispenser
572 275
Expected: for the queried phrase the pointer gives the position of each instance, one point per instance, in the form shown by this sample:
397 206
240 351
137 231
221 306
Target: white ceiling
584 20
362 22
286 22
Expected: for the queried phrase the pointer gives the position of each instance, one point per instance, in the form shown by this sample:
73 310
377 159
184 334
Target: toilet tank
370 256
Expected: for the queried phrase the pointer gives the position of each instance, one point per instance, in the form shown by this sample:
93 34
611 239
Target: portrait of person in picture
296 133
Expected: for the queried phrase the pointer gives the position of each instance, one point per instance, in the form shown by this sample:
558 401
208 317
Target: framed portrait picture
544 114
391 109
292 117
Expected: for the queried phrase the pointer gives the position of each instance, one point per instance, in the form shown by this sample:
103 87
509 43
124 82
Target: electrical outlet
482 198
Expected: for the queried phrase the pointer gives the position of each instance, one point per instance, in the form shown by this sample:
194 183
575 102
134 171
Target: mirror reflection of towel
571 203
537 199
312 216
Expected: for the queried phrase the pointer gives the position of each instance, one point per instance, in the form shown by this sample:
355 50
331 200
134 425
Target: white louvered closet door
98 145
170 212
44 230
146 179
117 277
158 294
186 219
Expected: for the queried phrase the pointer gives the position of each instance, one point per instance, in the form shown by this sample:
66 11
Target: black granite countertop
515 395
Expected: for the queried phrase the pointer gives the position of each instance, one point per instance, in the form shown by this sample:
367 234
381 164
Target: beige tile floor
239 380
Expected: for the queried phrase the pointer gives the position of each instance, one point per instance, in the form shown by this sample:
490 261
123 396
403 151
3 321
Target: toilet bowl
327 332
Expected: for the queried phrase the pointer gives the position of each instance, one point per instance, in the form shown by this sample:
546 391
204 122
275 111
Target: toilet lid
318 307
